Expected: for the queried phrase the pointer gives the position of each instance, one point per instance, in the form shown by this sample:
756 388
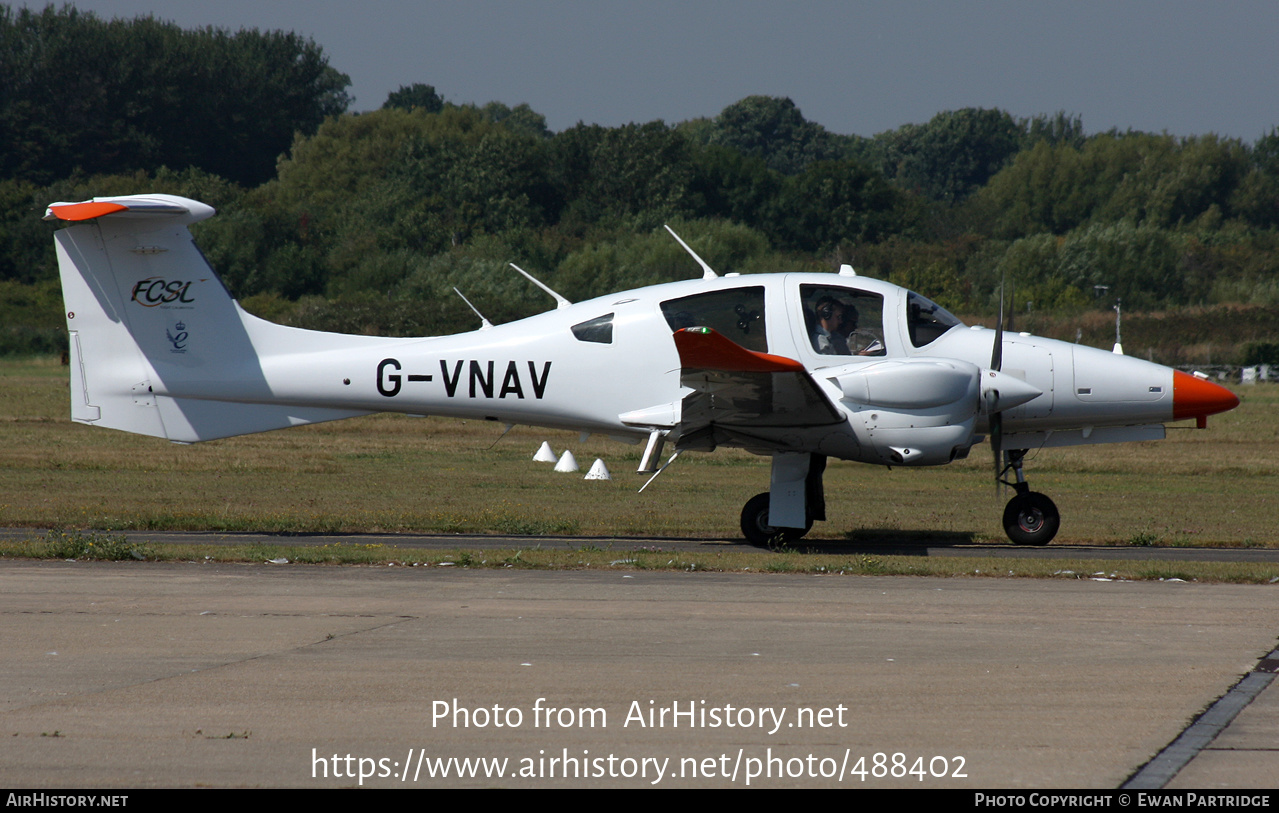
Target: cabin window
926 321
598 330
737 313
843 321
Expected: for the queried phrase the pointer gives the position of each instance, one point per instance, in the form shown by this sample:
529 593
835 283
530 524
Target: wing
741 398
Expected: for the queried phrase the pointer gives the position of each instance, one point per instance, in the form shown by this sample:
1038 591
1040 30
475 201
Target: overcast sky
854 67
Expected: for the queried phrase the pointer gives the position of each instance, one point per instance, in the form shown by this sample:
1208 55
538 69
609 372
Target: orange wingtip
702 348
86 211
1194 397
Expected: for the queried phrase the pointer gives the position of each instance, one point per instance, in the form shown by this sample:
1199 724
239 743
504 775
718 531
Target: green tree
773 130
373 194
1140 264
605 176
725 183
953 155
1059 128
115 96
832 202
1149 179
25 254
521 118
634 258
416 96
1257 197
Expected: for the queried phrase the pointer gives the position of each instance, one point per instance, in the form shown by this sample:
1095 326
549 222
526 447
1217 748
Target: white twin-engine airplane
800 367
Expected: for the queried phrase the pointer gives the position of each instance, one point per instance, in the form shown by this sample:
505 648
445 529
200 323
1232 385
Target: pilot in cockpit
829 334
835 330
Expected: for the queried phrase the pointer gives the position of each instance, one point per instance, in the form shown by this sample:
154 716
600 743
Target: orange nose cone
1195 398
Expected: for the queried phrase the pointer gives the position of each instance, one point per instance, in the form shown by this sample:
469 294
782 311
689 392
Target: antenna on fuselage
486 323
560 302
707 271
505 431
1119 343
650 480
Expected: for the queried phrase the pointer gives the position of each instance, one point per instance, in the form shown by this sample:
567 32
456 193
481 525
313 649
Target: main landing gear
759 533
786 513
1030 518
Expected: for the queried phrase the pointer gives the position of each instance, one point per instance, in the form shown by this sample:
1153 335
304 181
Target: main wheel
1031 519
759 533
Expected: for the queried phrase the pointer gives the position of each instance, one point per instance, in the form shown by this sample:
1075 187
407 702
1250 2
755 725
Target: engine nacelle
910 383
912 412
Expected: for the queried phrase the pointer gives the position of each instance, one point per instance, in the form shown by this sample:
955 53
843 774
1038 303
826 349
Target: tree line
366 221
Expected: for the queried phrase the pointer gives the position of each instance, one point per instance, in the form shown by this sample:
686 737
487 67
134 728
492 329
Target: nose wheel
759 533
1030 518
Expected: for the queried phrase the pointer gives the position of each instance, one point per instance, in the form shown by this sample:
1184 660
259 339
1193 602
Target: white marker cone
598 471
567 462
544 454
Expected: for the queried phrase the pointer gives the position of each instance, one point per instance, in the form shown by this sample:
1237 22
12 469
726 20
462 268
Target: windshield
926 321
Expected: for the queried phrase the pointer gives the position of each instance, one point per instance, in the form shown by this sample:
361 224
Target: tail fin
158 346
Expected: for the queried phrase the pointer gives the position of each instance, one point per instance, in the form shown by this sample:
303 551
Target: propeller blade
996 445
996 418
997 354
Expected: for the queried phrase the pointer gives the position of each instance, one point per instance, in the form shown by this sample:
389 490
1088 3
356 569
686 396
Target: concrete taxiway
895 543
143 674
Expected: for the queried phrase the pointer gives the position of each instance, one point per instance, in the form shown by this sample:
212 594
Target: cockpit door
834 323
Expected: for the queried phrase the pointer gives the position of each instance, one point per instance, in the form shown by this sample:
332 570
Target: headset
825 310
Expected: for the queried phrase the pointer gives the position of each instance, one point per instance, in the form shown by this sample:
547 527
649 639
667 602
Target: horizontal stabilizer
190 420
130 206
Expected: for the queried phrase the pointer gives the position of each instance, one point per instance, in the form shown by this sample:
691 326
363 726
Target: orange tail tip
1196 398
87 210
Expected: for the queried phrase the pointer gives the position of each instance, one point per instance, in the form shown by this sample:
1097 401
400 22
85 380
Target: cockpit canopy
926 321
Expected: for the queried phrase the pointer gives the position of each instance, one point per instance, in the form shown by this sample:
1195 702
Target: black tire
759 533
1031 519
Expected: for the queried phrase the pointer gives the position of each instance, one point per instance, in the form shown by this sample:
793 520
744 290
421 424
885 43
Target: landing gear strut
1030 518
797 498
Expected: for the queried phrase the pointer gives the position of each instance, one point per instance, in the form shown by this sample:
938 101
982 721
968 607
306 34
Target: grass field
392 473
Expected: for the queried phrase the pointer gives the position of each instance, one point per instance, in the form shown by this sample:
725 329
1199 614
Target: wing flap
741 390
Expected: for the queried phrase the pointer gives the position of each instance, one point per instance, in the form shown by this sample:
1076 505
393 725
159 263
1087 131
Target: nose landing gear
1030 518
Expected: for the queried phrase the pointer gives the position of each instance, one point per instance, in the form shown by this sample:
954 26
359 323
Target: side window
737 313
598 330
926 321
843 321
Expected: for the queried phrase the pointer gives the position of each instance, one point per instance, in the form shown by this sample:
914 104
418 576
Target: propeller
996 416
